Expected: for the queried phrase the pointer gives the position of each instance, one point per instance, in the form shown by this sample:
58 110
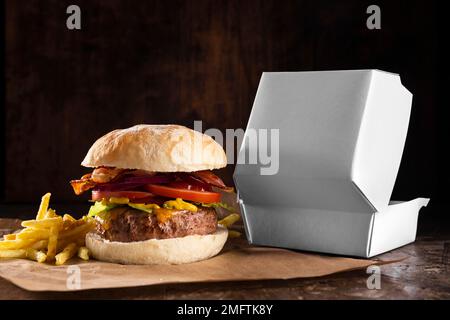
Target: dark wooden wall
179 61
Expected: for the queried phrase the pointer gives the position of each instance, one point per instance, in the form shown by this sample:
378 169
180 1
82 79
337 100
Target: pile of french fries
49 237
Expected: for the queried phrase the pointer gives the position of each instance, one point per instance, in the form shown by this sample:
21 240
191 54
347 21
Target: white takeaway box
341 139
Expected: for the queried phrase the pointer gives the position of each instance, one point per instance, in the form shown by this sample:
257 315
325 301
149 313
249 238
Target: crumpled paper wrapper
238 261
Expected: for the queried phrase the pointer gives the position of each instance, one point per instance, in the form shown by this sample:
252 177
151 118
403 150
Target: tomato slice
194 182
132 195
189 186
184 193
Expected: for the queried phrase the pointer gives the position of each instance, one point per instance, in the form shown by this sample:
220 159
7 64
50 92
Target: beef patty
125 224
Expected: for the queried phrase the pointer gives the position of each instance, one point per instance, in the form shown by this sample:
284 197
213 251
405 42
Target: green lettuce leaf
143 207
99 207
218 205
102 206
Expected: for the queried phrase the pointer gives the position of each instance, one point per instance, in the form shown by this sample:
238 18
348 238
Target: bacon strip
210 178
104 175
83 184
98 176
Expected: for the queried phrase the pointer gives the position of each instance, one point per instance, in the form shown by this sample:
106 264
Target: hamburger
154 195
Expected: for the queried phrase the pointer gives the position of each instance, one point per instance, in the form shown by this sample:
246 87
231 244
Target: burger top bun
160 148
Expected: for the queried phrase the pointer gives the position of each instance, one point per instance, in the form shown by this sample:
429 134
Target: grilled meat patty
125 224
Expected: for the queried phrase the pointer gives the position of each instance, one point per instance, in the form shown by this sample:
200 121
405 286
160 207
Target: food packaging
341 139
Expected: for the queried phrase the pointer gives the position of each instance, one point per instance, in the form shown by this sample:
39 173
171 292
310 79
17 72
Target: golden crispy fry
86 219
43 206
50 214
14 253
36 234
40 245
36 255
79 231
52 243
68 252
68 217
62 243
229 220
15 244
234 234
69 224
45 223
83 253
49 237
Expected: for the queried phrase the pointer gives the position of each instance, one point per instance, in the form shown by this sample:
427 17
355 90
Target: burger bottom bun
158 251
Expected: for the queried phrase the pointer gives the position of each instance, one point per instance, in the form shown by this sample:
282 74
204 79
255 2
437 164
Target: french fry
62 243
83 253
46 223
68 252
36 234
43 207
50 214
234 234
86 219
15 244
68 217
229 220
24 231
14 253
36 255
79 231
69 224
40 245
52 243
49 237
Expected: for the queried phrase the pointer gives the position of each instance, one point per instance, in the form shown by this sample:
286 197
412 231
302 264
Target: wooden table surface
425 274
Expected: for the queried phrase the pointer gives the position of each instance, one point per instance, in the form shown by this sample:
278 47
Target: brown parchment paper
238 261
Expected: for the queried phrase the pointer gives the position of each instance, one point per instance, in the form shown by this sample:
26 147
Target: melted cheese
116 200
179 204
163 215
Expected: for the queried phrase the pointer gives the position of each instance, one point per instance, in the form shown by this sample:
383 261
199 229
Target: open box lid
341 138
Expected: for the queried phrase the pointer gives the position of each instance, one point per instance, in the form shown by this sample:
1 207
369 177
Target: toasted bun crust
159 148
165 251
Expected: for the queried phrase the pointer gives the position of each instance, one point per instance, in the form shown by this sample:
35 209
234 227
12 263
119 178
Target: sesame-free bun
158 148
158 251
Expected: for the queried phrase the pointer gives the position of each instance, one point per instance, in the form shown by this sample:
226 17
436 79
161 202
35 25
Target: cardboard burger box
341 138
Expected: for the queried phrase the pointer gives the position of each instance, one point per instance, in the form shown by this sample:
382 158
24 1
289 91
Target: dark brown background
179 61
